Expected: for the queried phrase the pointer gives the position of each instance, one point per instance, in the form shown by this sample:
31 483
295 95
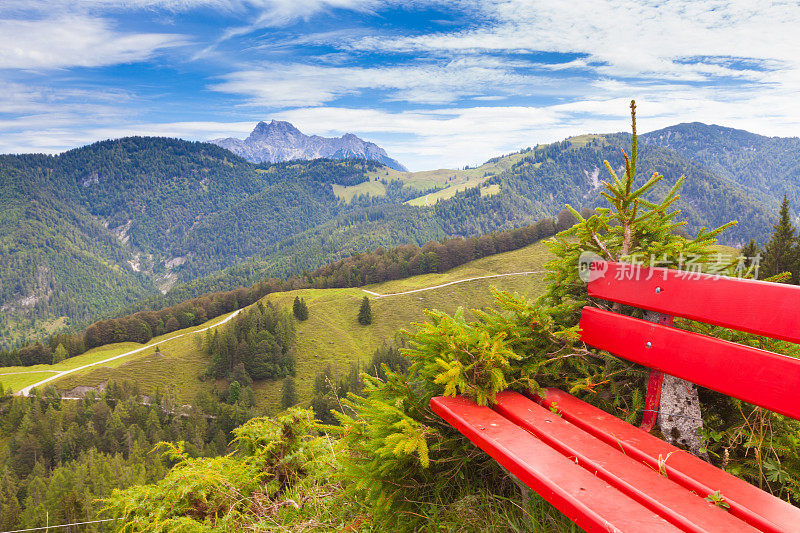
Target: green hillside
94 229
447 181
86 233
331 335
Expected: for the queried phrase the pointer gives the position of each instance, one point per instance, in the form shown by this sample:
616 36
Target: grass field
18 377
449 180
331 335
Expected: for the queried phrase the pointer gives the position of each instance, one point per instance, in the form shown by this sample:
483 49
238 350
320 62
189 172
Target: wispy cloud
624 38
297 85
75 41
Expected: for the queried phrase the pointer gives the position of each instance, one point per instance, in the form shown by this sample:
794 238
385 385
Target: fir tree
780 252
300 309
234 391
749 251
60 354
365 313
288 393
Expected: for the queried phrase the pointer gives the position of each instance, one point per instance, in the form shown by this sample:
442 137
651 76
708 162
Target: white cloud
630 39
71 40
297 85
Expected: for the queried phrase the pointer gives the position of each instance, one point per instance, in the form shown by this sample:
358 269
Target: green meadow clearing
331 335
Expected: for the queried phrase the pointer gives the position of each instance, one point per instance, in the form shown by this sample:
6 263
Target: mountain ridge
108 225
280 141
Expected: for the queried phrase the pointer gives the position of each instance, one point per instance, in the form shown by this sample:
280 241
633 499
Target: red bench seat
607 475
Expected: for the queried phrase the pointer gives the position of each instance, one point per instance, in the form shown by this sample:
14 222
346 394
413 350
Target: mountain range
279 141
145 221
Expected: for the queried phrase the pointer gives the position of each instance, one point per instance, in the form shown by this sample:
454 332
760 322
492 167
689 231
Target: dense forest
97 228
256 345
60 456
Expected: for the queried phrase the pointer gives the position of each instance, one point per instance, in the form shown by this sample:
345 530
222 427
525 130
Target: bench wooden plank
760 307
590 502
749 503
636 479
756 376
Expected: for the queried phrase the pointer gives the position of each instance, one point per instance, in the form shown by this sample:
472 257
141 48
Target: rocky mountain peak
277 140
272 128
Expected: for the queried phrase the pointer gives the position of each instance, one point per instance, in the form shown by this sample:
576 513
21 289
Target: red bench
607 475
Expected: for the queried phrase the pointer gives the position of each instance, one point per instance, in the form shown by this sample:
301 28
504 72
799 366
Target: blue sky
437 84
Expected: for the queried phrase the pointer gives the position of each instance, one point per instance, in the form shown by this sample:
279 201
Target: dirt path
26 390
378 295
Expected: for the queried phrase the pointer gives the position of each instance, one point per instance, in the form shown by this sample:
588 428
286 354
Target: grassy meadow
331 335
449 180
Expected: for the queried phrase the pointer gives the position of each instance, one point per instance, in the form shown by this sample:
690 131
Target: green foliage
234 391
365 312
255 345
300 309
59 354
386 358
59 457
749 252
463 358
288 393
230 492
718 499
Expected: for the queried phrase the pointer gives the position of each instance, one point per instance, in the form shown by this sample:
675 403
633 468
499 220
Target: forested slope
91 231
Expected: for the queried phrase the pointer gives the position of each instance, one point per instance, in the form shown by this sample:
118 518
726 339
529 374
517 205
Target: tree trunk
679 416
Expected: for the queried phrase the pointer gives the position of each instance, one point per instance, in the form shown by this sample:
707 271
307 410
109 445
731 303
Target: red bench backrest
756 376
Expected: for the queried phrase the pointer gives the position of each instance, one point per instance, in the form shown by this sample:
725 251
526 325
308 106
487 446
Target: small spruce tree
288 393
234 391
365 313
780 252
300 309
60 354
749 251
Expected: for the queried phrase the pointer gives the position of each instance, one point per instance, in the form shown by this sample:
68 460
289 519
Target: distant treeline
409 260
359 269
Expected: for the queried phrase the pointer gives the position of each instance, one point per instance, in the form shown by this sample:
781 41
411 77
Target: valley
144 221
330 337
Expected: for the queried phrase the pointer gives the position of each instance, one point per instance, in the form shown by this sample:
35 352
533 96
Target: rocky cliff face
280 141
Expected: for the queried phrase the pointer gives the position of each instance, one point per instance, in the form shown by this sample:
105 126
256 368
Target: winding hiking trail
26 390
378 295
61 373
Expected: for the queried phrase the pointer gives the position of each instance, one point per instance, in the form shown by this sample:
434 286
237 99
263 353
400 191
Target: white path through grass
378 295
26 390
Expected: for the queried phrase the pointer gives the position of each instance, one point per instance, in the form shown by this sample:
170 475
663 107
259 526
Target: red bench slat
636 479
755 376
590 502
760 307
749 503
